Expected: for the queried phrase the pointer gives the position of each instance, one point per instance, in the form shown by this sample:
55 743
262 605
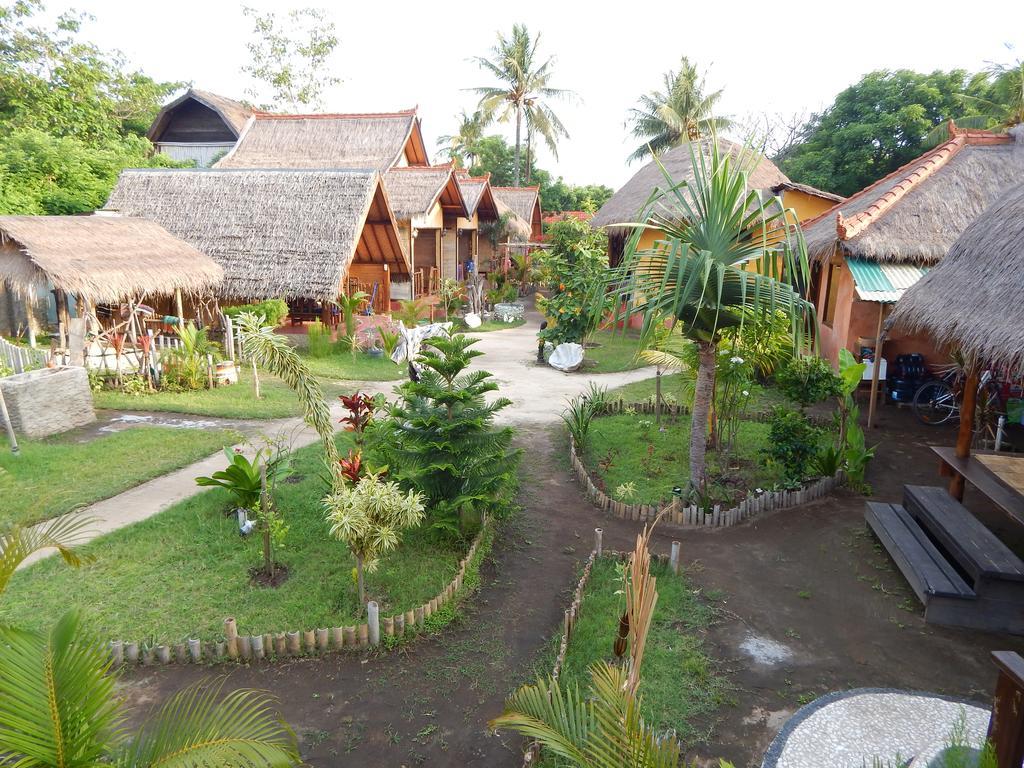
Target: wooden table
996 482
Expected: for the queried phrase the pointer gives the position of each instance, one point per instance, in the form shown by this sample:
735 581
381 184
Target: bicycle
937 401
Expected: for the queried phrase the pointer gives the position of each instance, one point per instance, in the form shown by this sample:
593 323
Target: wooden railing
20 359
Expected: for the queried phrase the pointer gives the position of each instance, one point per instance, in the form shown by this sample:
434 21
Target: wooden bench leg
1006 728
956 487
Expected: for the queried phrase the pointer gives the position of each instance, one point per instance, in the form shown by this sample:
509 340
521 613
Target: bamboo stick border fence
693 516
20 359
274 646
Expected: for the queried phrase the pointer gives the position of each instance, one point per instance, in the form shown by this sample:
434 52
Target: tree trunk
529 155
268 555
703 393
359 580
519 130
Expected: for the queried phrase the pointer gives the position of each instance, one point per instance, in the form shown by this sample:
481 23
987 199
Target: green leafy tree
461 146
714 265
369 516
574 270
682 111
877 125
59 707
999 108
523 92
291 55
494 156
440 438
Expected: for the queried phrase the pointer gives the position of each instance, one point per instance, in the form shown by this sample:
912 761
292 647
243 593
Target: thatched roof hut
627 204
476 191
525 203
287 234
336 141
914 214
415 190
966 301
102 259
233 115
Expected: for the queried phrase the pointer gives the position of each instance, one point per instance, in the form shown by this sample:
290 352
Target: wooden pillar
877 367
12 440
966 434
179 305
1006 728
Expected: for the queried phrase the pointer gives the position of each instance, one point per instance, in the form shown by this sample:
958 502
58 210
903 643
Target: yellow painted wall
805 206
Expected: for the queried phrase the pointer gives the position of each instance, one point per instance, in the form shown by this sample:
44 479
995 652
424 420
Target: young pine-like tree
440 438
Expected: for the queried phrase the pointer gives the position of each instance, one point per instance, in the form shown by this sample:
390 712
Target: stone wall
48 401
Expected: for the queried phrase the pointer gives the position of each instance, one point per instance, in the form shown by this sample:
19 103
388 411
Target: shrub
273 310
808 380
574 270
581 410
319 336
793 443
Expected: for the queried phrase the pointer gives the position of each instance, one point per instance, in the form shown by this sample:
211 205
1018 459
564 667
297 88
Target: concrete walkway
538 394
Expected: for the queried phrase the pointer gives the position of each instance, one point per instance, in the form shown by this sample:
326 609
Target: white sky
774 57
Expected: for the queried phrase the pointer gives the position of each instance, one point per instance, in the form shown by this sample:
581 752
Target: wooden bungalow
379 141
428 204
868 250
56 268
627 204
300 235
482 218
199 126
525 203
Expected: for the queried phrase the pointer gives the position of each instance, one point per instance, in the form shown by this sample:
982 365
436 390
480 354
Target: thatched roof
516 229
286 234
627 204
969 299
331 141
100 258
807 189
524 201
414 190
476 191
233 113
916 213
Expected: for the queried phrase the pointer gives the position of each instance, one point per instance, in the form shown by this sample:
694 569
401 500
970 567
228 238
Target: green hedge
274 310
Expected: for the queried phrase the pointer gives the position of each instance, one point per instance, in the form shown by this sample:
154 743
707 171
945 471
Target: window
828 312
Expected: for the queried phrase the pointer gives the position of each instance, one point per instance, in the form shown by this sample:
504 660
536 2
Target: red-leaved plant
360 411
352 466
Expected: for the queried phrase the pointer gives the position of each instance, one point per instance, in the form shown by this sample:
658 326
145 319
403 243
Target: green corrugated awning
883 283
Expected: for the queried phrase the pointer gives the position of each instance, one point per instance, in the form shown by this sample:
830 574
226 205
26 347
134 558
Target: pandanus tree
726 253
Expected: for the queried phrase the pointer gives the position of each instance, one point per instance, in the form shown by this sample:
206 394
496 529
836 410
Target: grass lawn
614 351
487 325
181 572
277 400
679 682
55 476
674 388
629 448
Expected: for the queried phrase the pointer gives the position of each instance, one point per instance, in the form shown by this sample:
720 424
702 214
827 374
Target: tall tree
523 92
999 108
877 125
461 146
291 56
682 111
698 277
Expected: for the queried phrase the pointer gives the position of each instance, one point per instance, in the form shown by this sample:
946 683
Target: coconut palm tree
460 147
61 533
683 111
726 252
59 707
523 91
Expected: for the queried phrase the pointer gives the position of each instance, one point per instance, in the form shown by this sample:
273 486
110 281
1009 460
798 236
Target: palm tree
525 88
681 112
726 252
1003 110
59 707
460 147
61 533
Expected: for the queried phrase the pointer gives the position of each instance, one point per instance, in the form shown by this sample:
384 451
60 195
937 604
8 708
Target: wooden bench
929 573
982 478
973 546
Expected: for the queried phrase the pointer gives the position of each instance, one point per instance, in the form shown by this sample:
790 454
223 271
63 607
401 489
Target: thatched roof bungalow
428 203
965 301
337 141
92 260
627 204
277 234
868 250
525 203
198 126
492 222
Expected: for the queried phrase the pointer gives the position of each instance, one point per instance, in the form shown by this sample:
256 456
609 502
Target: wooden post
674 559
229 337
8 426
231 633
657 398
877 367
373 622
966 433
209 370
179 305
1006 728
598 541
